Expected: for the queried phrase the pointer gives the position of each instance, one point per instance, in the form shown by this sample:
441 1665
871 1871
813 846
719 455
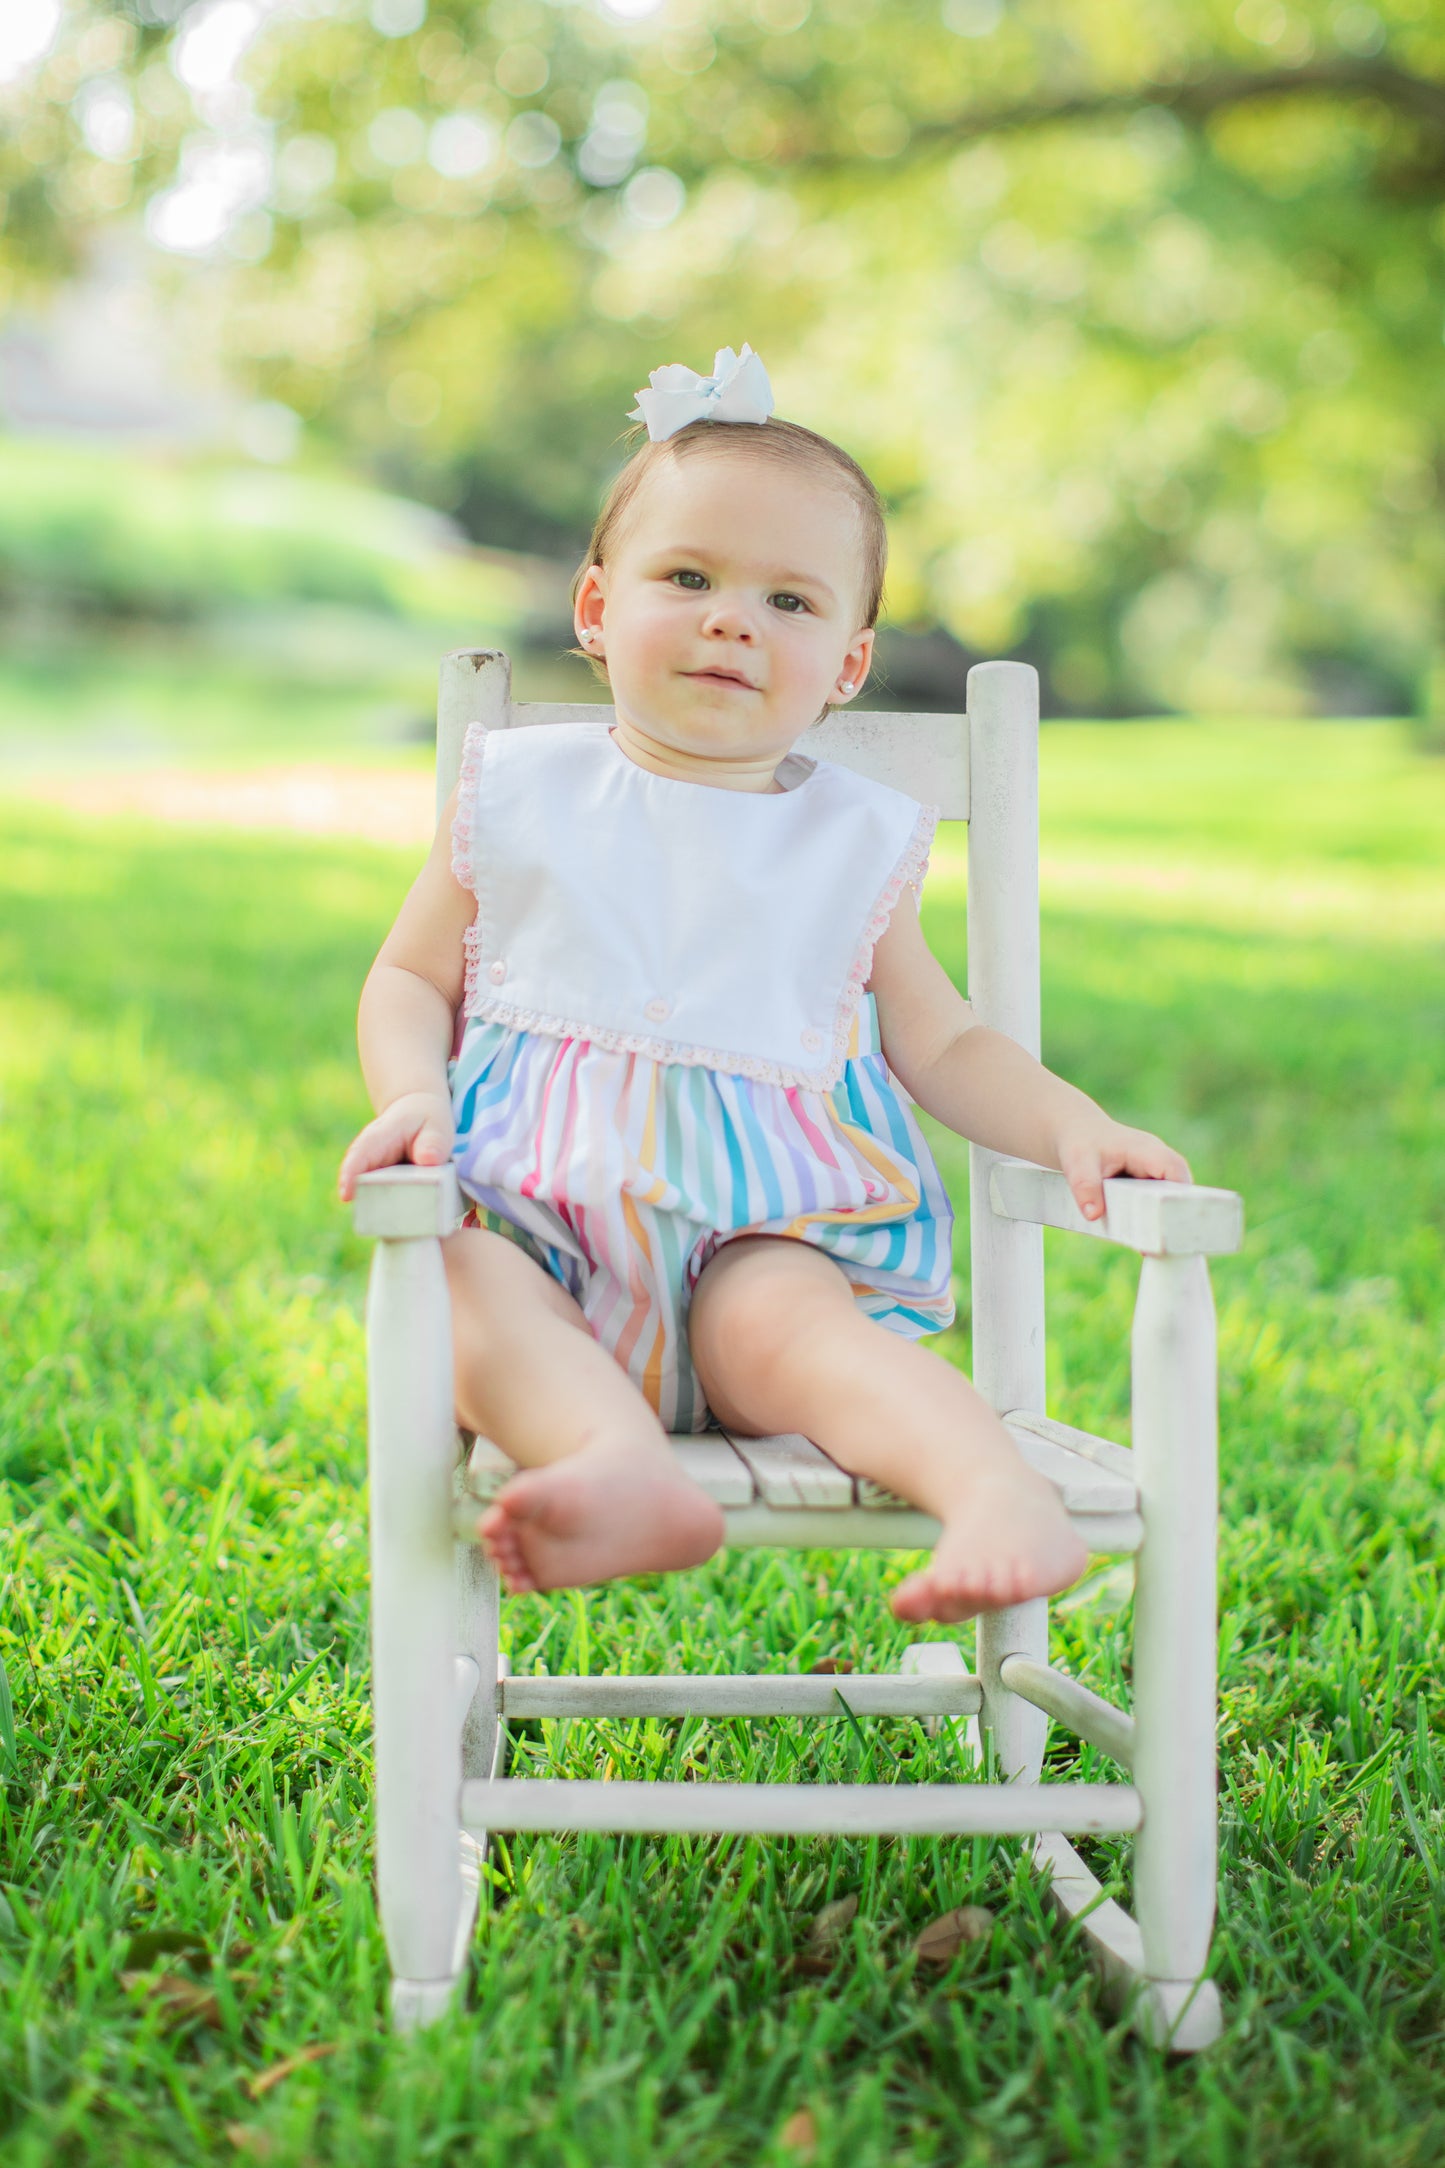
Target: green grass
184 1621
209 699
242 689
248 690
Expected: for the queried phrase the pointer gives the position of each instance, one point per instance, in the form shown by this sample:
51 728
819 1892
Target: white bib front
683 921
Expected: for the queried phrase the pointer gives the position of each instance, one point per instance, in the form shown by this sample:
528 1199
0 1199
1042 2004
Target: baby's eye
691 579
793 604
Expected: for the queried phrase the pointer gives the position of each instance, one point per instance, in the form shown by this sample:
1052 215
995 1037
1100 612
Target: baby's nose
730 621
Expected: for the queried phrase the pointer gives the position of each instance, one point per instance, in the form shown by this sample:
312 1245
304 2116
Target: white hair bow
737 391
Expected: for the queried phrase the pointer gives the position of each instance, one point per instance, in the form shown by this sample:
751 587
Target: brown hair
789 444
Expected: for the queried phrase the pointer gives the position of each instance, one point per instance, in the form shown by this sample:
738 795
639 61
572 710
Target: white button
497 972
657 1009
812 1040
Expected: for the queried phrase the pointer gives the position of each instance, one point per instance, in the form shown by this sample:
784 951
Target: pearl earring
847 687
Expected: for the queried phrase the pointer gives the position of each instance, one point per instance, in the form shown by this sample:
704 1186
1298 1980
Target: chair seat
786 1489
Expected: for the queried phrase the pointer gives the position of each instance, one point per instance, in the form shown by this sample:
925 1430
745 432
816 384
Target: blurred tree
1132 308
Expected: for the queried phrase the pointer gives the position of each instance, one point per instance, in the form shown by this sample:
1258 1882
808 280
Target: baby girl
694 980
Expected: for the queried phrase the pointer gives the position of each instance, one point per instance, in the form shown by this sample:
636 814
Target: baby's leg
602 1493
780 1344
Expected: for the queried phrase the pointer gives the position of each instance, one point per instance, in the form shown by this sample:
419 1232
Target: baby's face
729 613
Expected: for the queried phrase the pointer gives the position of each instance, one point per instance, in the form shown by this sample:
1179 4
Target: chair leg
944 1659
479 1588
482 1666
1176 1450
1019 1730
421 1873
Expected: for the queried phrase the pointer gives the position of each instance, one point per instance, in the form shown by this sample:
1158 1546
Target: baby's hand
418 1127
1094 1147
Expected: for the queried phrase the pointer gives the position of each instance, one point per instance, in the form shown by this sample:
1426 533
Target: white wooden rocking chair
442 1693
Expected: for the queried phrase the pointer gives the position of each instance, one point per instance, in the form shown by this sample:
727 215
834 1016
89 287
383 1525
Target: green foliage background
121 537
1133 309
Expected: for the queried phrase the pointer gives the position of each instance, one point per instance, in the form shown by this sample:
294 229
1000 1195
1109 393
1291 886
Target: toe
505 1553
522 1497
952 1604
927 1599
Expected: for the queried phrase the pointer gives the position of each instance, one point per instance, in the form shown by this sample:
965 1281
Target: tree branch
1191 98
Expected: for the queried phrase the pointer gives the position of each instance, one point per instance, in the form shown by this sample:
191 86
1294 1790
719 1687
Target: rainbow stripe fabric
621 1176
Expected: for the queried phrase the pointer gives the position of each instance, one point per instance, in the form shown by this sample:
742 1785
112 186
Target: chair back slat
924 755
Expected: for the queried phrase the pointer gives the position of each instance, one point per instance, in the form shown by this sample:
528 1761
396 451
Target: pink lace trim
911 867
463 857
472 954
464 825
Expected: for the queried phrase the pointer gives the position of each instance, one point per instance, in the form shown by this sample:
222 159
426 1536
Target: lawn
1242 950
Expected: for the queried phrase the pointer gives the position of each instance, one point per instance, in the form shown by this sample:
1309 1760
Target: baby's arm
986 1086
405 1021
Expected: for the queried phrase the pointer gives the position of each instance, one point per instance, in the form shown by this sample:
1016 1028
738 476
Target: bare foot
1008 1540
608 1510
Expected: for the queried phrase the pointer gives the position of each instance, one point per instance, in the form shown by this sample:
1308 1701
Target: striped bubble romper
621 1176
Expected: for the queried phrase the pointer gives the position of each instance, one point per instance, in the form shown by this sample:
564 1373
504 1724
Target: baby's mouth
723 677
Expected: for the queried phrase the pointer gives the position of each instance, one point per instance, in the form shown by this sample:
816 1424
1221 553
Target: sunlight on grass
184 1624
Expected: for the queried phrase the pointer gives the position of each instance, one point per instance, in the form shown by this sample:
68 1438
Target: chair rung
826 1528
853 1528
782 1810
1086 1713
746 1694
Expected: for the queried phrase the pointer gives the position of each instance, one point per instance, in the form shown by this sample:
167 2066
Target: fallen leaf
829 1664
265 2079
247 2138
819 1952
943 1938
800 2134
183 2002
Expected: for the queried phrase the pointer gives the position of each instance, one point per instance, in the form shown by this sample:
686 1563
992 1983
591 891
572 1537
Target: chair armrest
397 1203
1161 1219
